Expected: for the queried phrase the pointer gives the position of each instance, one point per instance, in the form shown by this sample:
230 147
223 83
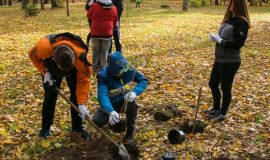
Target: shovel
122 149
197 108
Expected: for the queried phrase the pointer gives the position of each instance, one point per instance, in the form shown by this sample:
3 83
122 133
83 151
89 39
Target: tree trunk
73 1
53 3
185 5
1 2
45 1
35 1
24 3
42 5
9 2
67 8
5 2
216 2
253 3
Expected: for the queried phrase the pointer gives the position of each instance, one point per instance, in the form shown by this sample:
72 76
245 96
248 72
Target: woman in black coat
229 40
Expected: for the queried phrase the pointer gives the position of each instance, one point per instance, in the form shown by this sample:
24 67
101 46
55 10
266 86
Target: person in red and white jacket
103 18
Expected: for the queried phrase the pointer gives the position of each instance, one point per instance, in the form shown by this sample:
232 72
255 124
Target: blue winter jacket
107 81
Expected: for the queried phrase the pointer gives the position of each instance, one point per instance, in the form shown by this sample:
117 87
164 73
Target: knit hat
105 3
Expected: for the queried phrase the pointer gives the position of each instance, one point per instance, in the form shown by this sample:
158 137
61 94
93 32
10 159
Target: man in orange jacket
57 56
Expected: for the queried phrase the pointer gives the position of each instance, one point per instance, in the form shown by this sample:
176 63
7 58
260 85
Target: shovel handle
197 108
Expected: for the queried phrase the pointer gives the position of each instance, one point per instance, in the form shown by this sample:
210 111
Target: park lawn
172 49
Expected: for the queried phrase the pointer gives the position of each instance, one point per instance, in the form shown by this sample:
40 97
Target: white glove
114 118
84 111
130 96
90 3
215 38
48 78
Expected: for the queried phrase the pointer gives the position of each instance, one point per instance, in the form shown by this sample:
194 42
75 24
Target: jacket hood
105 3
117 64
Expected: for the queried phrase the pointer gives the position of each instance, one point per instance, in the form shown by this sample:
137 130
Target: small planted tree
31 10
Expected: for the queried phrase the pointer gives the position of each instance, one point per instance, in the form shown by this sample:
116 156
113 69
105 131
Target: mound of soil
167 112
90 150
188 125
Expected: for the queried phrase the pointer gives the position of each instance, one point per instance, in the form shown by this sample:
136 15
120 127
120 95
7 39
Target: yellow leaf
45 143
58 145
3 132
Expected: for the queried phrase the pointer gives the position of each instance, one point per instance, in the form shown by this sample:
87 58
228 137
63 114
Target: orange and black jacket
42 57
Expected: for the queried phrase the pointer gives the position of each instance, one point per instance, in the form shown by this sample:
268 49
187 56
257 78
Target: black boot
84 134
129 138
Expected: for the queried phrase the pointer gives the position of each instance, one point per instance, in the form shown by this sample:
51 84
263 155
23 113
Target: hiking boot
44 133
84 134
212 111
220 117
129 138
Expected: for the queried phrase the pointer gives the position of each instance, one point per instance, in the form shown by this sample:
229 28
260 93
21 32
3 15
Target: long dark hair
239 10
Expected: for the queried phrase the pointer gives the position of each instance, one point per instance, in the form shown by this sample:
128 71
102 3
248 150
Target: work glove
90 3
84 111
130 96
114 118
215 38
48 79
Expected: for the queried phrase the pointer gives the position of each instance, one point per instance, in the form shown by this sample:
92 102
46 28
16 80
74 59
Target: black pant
222 74
138 4
116 38
101 118
49 102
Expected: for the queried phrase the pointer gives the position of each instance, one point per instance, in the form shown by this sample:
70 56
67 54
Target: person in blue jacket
114 88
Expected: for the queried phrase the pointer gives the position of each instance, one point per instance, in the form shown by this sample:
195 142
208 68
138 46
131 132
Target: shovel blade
123 152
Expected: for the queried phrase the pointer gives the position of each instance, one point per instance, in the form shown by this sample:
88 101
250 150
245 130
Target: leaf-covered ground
172 49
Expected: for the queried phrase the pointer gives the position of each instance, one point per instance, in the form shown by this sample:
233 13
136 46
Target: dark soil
119 127
188 125
98 149
167 112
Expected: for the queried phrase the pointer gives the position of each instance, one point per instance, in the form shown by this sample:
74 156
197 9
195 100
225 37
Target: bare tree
24 3
185 5
67 8
42 5
53 3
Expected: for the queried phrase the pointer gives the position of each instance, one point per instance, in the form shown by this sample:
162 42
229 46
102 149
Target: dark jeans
101 118
89 34
222 74
116 37
138 4
49 103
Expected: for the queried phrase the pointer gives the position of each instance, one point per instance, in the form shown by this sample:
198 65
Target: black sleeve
119 5
240 35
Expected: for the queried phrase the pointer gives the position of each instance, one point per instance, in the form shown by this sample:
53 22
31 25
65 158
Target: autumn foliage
173 51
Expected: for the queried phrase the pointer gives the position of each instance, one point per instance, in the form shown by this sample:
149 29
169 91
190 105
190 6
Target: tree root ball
94 149
167 112
187 126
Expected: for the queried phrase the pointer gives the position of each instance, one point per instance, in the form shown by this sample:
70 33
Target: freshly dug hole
167 112
94 149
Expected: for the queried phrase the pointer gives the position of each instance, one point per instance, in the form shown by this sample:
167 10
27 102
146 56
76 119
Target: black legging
222 73
50 97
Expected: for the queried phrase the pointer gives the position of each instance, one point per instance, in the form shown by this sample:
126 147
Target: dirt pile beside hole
94 149
167 112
